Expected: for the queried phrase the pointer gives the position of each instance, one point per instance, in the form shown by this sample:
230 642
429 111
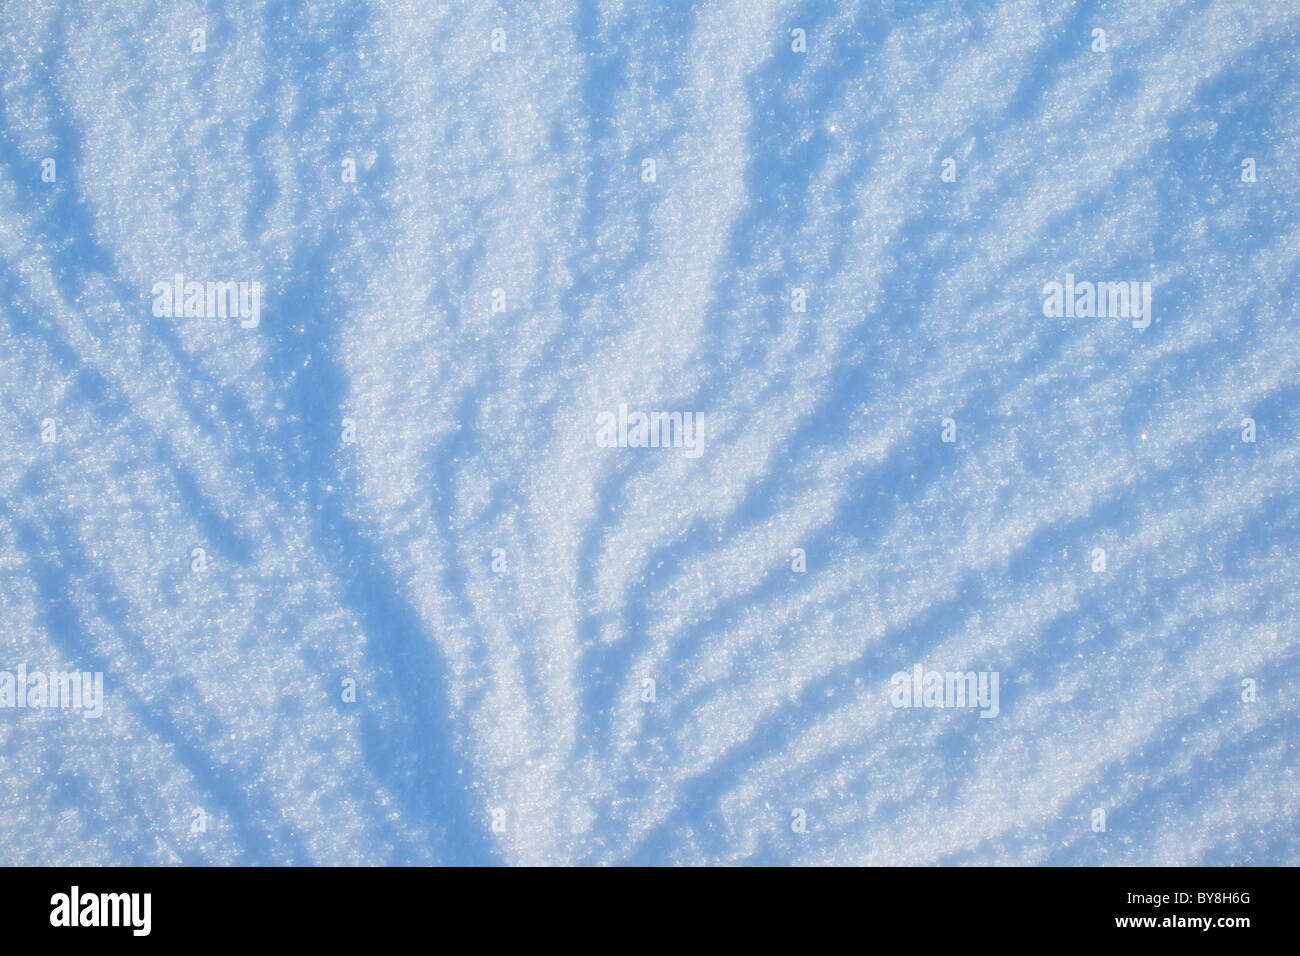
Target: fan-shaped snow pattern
509 686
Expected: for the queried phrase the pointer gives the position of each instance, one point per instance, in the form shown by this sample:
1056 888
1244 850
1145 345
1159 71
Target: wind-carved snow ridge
367 582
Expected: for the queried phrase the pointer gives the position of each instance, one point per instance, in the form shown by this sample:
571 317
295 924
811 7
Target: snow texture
394 478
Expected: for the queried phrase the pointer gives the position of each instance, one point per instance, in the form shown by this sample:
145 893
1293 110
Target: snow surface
520 691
